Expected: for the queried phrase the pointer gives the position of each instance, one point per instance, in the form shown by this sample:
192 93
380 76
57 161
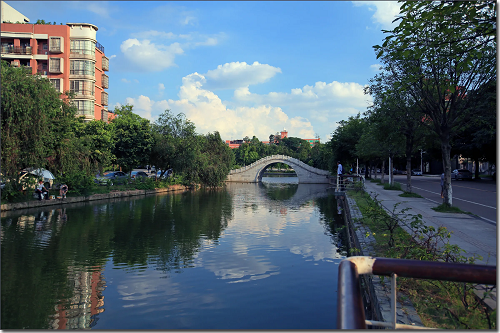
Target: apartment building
68 55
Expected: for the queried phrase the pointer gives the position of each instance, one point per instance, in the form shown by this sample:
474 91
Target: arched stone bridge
253 173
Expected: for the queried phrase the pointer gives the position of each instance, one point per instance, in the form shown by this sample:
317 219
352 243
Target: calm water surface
250 256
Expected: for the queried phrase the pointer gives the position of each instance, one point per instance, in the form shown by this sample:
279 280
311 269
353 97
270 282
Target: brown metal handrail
350 315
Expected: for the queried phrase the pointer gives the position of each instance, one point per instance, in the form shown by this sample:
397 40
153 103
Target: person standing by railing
340 172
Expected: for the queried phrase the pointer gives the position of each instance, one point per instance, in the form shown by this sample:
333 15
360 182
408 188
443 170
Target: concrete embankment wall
102 196
377 291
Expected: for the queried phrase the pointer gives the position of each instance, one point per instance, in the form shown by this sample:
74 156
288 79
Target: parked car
116 177
416 172
166 175
461 174
394 172
138 174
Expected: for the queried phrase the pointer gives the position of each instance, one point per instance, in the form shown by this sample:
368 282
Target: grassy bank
440 304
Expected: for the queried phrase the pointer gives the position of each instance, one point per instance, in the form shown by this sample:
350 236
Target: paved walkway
472 234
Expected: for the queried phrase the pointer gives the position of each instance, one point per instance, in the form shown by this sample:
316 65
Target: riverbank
100 196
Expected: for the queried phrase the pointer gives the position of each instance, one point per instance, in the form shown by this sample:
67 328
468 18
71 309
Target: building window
81 67
56 44
82 46
84 107
56 83
55 65
82 87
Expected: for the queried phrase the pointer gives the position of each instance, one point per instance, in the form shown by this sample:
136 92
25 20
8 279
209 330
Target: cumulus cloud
150 50
235 75
321 95
148 56
385 12
248 114
142 106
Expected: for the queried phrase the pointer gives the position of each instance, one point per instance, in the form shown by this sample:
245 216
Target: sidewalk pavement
470 233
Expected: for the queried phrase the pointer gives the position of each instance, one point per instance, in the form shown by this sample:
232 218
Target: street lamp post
421 163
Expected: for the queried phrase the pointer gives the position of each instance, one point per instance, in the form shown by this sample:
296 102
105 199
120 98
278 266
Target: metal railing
11 49
349 182
99 47
350 310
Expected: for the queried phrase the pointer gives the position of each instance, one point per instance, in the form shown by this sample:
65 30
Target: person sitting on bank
63 190
41 190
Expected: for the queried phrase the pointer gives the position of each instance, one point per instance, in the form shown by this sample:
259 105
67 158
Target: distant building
68 55
283 134
234 143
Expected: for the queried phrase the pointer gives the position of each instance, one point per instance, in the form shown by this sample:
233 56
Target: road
477 197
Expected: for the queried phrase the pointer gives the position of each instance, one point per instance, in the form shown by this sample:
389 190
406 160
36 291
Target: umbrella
46 174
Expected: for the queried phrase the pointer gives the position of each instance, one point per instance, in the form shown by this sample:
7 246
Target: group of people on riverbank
43 193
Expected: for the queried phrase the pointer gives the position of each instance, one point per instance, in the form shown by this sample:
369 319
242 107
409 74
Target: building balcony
99 47
42 72
105 63
104 98
11 49
105 81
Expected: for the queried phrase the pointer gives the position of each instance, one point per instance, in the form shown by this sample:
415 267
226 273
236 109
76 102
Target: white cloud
248 114
376 67
113 56
161 88
142 106
191 20
385 12
147 50
125 80
239 74
148 56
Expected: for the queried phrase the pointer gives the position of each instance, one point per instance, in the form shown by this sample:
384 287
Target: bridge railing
350 308
290 159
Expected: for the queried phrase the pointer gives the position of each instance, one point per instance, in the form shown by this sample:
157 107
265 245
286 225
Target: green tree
395 105
344 140
96 136
133 139
477 138
440 53
173 138
215 160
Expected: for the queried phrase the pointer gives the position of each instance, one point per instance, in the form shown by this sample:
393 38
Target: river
249 256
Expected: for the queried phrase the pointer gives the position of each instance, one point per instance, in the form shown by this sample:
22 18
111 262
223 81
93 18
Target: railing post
393 300
350 308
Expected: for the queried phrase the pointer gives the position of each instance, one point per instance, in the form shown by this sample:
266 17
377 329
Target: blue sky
242 68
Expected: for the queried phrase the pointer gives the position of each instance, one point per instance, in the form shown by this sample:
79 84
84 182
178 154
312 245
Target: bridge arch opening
278 172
